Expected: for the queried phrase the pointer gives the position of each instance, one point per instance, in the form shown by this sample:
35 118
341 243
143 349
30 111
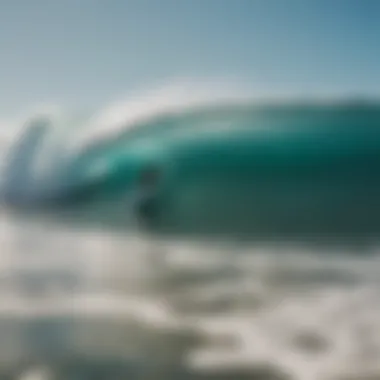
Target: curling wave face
230 167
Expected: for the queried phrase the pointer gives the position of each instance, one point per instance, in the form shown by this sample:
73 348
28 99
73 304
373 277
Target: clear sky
89 52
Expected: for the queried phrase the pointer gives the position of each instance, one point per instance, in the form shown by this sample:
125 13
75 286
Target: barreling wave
50 144
230 163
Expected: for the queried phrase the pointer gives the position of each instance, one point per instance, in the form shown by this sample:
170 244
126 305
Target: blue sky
85 53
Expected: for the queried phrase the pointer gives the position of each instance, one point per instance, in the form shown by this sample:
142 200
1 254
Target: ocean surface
262 261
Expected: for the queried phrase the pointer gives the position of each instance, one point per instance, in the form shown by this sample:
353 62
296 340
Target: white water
310 312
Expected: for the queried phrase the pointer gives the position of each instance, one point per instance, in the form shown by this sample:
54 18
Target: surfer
147 209
146 206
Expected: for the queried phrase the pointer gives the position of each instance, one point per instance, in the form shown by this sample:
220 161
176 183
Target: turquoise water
244 170
240 170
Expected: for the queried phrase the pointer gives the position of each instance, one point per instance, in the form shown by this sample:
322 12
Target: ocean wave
231 160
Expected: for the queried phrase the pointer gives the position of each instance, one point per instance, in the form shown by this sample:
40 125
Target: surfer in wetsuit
146 206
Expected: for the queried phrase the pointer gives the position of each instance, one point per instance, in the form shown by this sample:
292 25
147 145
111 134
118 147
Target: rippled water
92 304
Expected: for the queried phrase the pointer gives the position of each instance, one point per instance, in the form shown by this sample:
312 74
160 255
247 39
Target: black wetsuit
147 209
